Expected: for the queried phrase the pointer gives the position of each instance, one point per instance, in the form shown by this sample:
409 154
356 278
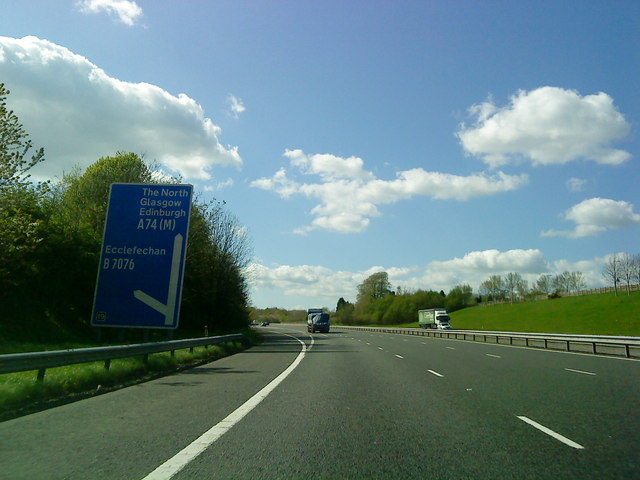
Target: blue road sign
142 259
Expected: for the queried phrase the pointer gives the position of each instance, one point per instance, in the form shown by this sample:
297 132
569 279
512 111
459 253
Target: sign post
142 259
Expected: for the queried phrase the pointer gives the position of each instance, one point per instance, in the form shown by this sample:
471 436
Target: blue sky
440 141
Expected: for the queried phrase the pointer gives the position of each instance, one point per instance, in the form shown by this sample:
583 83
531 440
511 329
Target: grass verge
601 314
21 393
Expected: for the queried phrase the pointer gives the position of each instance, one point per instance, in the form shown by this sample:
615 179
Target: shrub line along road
354 405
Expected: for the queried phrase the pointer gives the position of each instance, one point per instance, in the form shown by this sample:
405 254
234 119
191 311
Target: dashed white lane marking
176 463
551 433
380 348
491 355
399 356
367 343
579 371
450 348
435 373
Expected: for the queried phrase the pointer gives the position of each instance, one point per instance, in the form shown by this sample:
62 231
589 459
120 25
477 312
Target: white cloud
78 113
546 126
219 185
596 215
236 107
349 195
127 11
327 166
576 184
320 285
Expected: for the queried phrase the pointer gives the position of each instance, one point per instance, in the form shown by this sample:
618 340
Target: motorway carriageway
349 405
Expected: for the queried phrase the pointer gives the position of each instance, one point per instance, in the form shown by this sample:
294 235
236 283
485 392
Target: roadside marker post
139 283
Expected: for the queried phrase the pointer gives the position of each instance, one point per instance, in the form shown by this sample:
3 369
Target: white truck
434 318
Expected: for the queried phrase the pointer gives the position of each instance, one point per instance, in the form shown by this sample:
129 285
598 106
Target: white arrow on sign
172 295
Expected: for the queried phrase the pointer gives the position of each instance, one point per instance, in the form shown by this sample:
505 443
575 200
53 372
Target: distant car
264 324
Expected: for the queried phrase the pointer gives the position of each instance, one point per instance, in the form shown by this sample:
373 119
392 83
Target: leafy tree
344 311
374 287
86 195
459 297
20 211
14 146
215 289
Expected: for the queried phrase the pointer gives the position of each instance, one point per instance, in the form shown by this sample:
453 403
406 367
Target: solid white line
494 356
551 433
399 356
176 463
579 371
435 373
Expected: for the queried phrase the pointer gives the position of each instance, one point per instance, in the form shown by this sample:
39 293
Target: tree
513 282
612 271
576 281
86 195
628 270
14 145
544 284
342 304
522 289
374 287
493 287
636 269
459 297
20 212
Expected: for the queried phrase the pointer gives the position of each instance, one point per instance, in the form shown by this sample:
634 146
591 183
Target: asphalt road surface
349 405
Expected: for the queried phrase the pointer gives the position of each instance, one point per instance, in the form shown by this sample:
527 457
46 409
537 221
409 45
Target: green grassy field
603 314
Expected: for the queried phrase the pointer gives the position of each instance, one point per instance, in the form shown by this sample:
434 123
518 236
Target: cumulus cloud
302 281
349 195
596 215
127 11
236 107
78 113
546 126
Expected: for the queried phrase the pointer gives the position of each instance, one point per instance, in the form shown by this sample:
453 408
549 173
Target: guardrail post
41 374
107 364
626 349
